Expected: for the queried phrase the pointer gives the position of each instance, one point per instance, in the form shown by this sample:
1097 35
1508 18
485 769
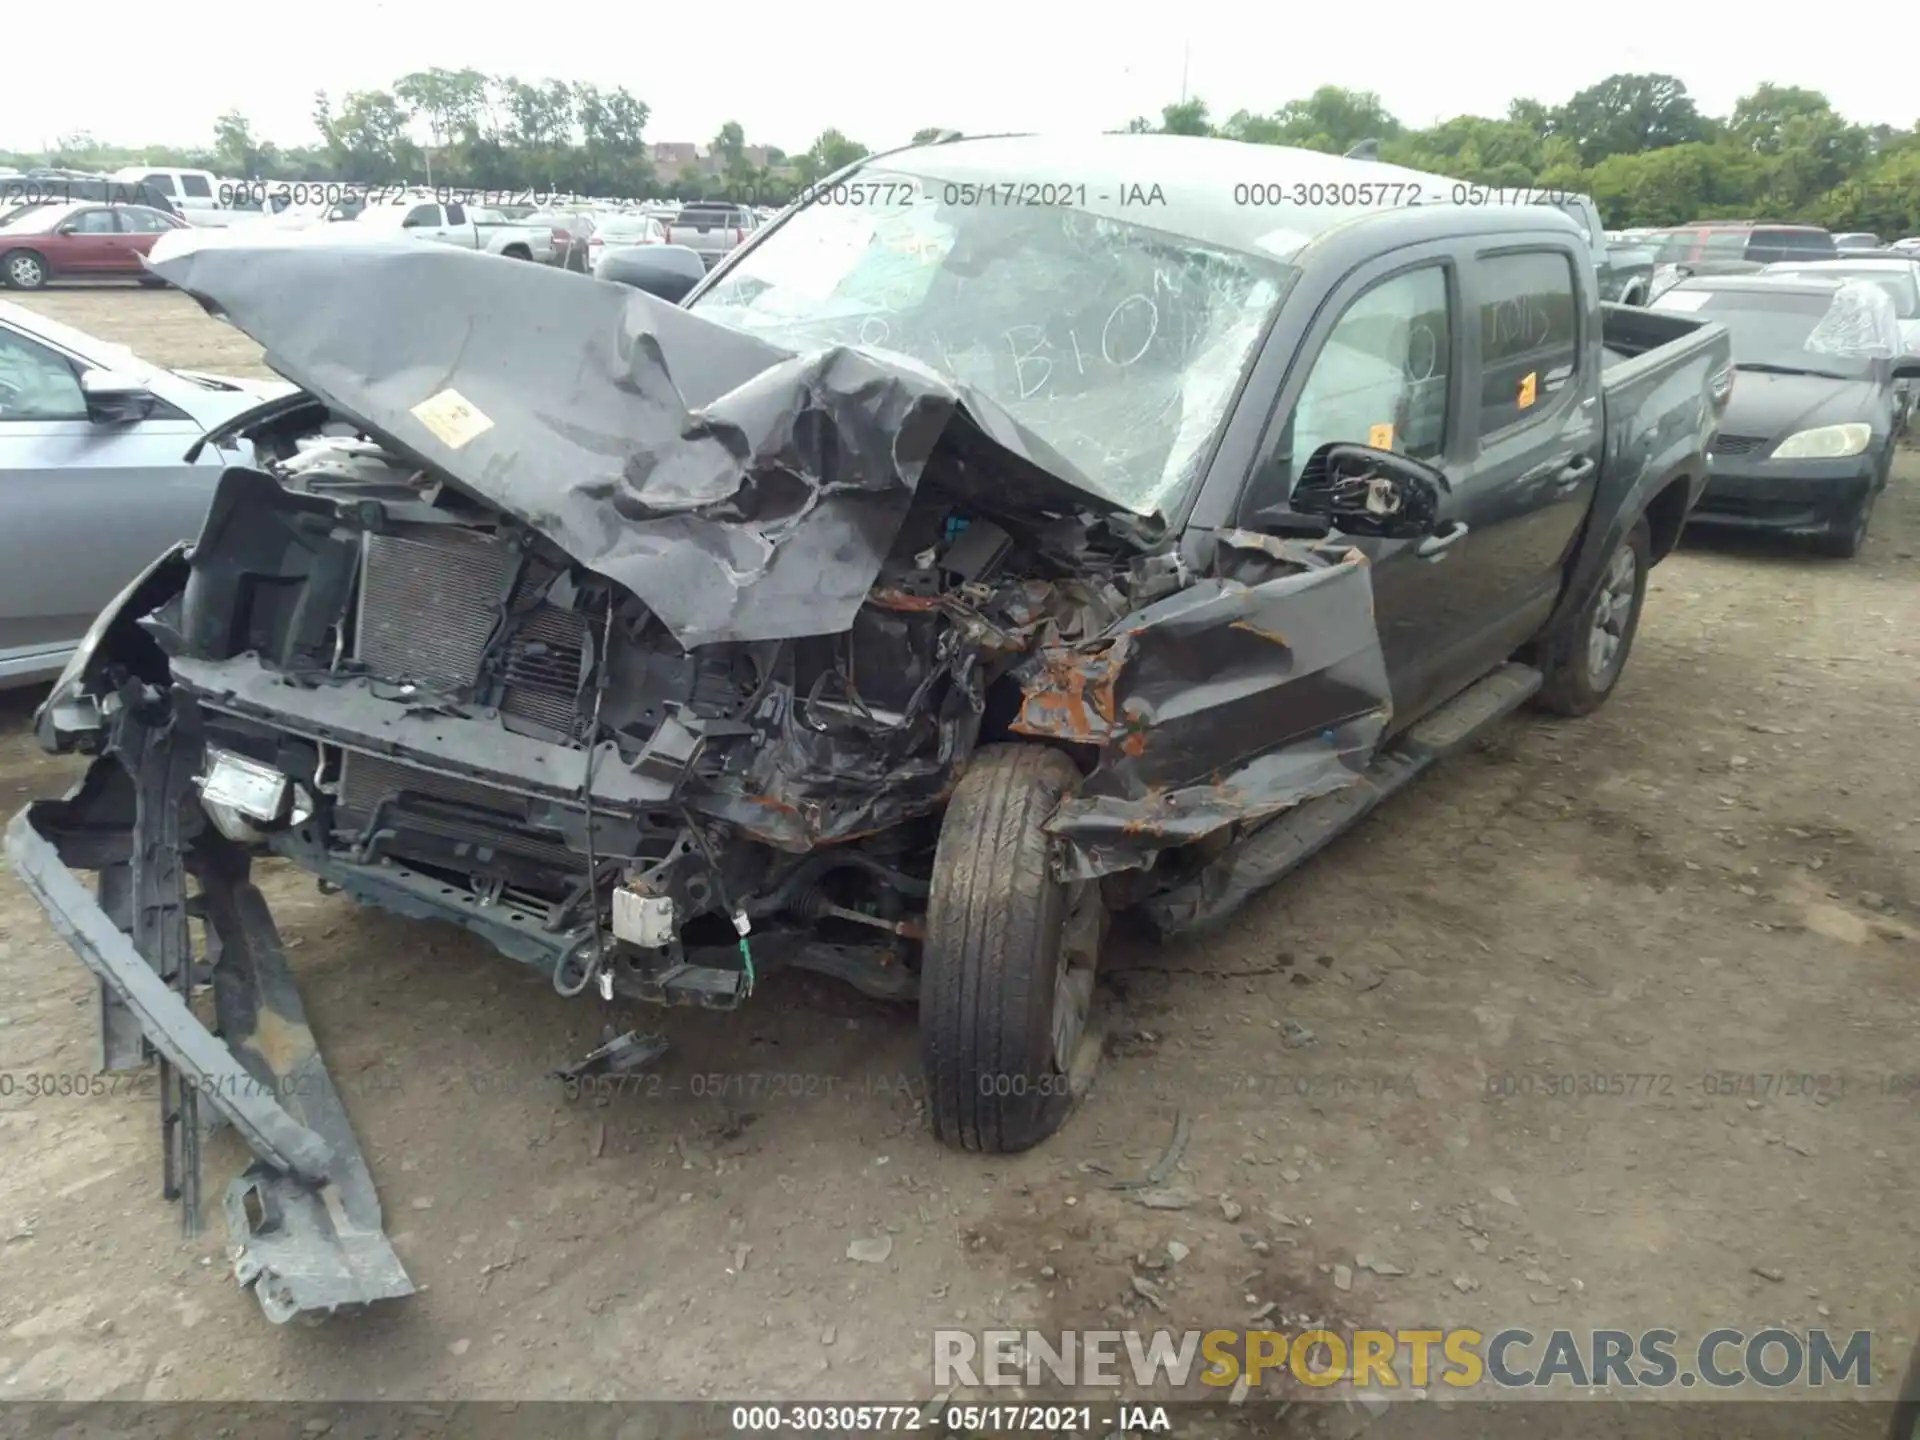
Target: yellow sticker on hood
453 419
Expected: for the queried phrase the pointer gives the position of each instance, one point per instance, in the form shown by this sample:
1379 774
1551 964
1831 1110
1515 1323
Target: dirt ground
1713 878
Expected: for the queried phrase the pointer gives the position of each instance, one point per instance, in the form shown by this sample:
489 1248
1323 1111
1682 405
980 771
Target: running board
1284 843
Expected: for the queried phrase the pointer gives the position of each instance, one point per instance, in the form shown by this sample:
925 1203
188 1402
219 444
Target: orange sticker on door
1380 437
1529 389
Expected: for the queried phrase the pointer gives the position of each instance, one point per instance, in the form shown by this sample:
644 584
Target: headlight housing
1827 442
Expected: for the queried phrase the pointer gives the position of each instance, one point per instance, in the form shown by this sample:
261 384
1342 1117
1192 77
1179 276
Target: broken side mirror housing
114 398
1359 490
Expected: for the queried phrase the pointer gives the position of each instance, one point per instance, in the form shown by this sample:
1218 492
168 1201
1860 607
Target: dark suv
1749 241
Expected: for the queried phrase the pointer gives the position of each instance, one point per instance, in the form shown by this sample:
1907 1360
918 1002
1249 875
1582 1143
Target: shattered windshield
1119 345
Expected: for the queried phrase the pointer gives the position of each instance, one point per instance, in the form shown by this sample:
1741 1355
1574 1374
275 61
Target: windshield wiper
1766 367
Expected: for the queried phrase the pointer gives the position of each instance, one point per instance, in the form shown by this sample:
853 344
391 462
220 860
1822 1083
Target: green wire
746 954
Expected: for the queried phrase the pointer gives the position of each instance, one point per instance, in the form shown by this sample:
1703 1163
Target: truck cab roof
1259 199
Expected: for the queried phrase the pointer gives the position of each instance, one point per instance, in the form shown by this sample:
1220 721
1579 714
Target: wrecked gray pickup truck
942 578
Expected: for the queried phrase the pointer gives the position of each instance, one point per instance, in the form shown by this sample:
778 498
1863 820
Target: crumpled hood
743 492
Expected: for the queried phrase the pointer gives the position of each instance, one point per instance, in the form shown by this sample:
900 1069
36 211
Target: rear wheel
23 270
1583 663
1006 981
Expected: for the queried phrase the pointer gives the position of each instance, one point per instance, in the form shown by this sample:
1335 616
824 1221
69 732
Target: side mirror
115 399
68 229
1363 491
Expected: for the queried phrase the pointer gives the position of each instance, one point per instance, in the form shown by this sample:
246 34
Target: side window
37 384
1382 375
1529 335
143 222
456 214
162 183
196 186
95 222
1726 244
422 217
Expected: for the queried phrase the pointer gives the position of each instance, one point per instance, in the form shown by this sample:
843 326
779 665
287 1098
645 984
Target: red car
78 240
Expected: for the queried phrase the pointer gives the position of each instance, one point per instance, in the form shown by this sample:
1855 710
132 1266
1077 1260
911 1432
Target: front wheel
24 270
1583 663
1006 979
1847 538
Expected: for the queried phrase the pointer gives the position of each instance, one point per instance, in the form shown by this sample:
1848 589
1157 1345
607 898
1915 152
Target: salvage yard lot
1532 1040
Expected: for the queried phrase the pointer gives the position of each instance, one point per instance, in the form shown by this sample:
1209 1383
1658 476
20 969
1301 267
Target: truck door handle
1435 545
1575 473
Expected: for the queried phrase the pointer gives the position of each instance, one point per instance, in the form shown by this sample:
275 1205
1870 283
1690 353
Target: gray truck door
1535 424
83 507
1381 366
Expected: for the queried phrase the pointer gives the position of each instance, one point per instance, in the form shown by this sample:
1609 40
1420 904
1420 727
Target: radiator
429 600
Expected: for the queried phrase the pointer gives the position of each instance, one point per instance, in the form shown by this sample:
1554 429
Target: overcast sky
879 72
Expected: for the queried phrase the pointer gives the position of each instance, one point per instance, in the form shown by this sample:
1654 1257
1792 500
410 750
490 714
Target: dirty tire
1571 687
23 270
993 950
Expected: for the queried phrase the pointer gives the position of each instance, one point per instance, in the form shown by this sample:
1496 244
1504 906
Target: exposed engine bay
654 656
607 789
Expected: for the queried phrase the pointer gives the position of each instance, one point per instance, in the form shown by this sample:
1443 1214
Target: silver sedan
93 477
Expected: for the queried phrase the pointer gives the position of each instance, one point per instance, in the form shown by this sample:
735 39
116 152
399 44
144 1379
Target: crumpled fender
1238 697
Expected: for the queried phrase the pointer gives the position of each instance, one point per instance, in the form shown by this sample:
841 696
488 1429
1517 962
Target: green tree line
488 132
1637 143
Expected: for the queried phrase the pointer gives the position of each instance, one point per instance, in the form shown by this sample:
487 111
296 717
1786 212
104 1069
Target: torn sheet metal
743 492
1268 679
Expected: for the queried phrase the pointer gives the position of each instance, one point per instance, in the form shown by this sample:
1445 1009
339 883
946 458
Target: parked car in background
712 229
188 190
620 232
667 271
572 228
454 224
1705 246
1807 440
1899 276
62 188
80 241
522 239
1622 268
1852 240
93 483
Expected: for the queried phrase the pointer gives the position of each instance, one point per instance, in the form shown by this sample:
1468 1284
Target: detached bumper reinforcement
305 1218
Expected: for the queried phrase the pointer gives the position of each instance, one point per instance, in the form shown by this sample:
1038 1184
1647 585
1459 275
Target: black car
1807 440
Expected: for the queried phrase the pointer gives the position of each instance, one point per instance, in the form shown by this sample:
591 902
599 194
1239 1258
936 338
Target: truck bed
1664 383
1631 331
